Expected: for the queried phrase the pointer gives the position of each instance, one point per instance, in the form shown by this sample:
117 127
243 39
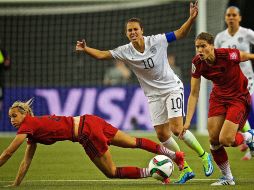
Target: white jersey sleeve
151 66
120 52
250 36
217 41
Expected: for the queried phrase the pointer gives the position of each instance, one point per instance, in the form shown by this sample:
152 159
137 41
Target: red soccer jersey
47 129
228 80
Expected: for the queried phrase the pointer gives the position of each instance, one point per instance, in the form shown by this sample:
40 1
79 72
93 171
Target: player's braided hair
24 107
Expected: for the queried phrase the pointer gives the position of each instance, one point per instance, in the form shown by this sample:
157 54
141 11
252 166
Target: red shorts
95 135
236 110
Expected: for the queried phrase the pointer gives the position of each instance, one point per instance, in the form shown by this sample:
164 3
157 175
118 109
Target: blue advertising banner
124 107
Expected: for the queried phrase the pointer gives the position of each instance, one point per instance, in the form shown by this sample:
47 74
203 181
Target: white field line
102 180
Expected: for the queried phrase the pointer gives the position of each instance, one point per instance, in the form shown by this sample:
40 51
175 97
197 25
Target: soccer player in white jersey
240 38
147 57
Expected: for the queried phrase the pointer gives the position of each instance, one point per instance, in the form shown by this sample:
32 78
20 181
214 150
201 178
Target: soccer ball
161 167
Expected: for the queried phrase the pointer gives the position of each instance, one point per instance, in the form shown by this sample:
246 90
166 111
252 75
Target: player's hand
185 128
81 45
194 10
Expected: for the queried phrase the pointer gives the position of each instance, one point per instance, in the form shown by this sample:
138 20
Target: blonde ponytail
23 107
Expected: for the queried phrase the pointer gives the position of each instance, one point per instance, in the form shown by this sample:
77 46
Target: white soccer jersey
242 40
151 67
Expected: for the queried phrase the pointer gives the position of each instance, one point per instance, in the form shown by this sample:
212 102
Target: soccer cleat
166 181
179 160
224 181
247 156
207 164
251 143
185 175
243 147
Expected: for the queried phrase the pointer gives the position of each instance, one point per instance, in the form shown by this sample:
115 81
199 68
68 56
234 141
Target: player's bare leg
218 151
190 140
124 140
164 135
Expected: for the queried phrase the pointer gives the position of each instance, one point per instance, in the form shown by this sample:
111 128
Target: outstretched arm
244 56
24 166
186 27
8 152
97 54
192 103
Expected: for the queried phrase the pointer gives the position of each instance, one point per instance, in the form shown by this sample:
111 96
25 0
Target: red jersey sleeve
25 129
195 67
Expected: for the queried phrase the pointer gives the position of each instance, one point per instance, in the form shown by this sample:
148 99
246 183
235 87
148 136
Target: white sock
171 144
225 170
165 151
225 167
144 172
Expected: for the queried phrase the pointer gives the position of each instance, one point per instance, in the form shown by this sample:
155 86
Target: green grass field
65 165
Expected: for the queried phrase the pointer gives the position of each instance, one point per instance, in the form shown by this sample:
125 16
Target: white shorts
166 106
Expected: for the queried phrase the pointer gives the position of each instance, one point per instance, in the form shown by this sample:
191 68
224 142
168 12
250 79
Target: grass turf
65 165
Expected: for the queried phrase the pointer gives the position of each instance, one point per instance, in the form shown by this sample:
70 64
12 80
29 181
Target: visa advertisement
124 107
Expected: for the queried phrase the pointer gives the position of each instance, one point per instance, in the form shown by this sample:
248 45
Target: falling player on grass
92 132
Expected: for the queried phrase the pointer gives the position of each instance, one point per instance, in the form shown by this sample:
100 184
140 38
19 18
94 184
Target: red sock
148 145
220 155
128 172
238 139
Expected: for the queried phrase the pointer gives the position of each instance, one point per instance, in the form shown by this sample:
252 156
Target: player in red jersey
92 132
229 100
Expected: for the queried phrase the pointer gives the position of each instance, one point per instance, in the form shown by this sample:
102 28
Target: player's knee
162 136
213 139
176 132
163 133
176 128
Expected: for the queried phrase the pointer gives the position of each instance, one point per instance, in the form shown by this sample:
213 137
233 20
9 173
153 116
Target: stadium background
40 37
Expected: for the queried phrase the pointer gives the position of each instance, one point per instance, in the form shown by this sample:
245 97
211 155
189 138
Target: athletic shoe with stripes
224 181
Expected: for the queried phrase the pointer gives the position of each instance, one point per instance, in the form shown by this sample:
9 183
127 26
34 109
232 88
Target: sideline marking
103 180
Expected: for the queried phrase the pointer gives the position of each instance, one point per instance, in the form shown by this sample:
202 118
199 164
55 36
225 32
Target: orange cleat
179 160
